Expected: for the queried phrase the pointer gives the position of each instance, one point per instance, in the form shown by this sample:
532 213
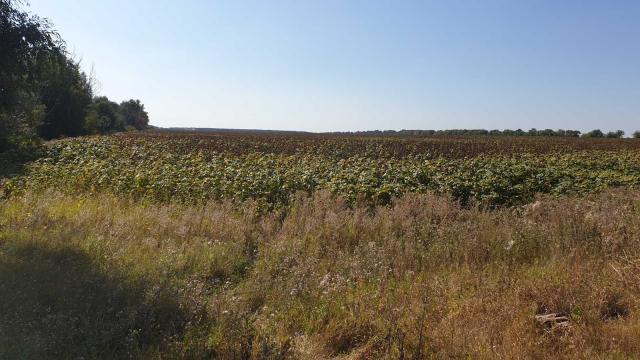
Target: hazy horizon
357 65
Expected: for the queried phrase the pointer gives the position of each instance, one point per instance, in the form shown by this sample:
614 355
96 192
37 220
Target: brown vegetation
345 146
102 276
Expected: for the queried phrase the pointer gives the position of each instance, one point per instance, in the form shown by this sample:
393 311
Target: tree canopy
43 90
134 114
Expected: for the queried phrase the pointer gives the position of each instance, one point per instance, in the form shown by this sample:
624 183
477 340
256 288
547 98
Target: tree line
43 91
597 133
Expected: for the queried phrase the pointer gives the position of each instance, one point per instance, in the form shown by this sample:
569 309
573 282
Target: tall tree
104 116
26 41
134 114
66 94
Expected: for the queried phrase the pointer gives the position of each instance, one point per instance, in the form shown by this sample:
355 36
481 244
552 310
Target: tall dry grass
105 277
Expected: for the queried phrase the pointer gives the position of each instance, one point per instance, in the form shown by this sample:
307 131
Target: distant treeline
43 91
482 132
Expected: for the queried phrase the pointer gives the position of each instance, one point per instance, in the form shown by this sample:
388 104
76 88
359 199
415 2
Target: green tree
134 114
104 116
26 41
546 132
66 94
43 91
597 133
18 126
615 134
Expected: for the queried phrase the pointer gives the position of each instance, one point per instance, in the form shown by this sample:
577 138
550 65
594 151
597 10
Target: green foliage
66 94
18 126
43 91
134 114
104 116
26 42
615 134
597 133
162 169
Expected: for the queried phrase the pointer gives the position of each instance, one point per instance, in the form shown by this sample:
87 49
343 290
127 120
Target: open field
102 276
270 168
344 145
297 246
476 194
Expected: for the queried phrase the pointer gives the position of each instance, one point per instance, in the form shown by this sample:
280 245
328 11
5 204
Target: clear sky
330 65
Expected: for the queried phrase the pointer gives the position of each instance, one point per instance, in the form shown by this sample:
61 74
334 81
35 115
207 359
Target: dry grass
103 277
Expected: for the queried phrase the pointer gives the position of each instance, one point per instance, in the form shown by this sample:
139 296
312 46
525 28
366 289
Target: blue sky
361 65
